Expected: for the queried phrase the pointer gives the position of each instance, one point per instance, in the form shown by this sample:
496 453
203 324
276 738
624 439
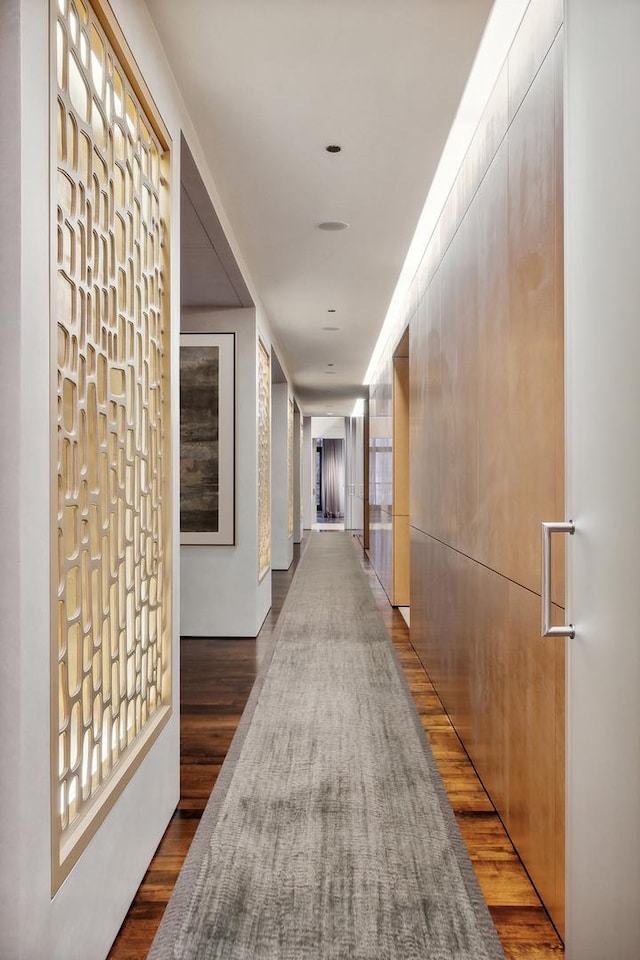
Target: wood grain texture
400 519
401 436
486 359
487 449
491 528
535 366
538 29
477 634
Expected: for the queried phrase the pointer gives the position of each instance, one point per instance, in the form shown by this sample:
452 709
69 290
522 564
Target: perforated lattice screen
111 577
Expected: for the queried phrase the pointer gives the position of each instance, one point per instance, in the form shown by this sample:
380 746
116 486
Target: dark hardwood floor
216 679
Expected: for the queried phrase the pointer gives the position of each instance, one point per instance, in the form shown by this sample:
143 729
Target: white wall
10 500
308 476
80 922
297 476
281 542
329 428
602 287
354 473
219 589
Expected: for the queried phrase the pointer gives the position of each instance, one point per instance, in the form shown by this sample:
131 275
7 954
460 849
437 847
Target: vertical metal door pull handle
567 629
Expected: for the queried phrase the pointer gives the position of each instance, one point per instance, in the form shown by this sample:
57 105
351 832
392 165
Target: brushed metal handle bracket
567 629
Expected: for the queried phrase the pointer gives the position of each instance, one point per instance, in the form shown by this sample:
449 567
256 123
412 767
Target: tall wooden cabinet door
602 279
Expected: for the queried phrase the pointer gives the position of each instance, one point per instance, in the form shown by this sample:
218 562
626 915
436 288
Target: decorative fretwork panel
290 463
264 460
111 568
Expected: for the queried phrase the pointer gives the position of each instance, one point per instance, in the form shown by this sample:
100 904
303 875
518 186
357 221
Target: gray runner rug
329 834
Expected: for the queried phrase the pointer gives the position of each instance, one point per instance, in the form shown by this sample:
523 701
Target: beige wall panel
558 569
401 561
426 425
448 223
535 720
490 133
464 472
490 678
535 360
419 384
445 516
401 436
539 26
478 635
400 558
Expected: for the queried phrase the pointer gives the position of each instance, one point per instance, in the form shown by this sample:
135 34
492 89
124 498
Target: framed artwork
207 438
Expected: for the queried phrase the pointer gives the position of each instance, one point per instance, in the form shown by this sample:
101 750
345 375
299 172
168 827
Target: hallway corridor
216 679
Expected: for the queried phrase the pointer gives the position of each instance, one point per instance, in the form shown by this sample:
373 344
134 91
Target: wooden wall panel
539 27
401 436
493 401
478 635
558 548
486 449
426 433
487 339
535 336
400 513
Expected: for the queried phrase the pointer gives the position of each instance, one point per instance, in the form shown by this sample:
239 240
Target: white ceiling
269 84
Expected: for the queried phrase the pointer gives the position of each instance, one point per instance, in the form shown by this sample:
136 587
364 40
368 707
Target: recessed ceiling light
333 148
331 328
333 225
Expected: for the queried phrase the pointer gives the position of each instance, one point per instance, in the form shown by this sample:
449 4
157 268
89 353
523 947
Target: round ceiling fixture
331 310
331 328
333 148
333 225
331 364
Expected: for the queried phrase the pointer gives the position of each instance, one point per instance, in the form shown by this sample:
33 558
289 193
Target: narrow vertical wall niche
111 540
264 460
290 465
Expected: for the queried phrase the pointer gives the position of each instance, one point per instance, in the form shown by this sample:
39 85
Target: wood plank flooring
216 680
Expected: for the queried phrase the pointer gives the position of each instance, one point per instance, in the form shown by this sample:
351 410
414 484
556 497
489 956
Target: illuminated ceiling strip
502 25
